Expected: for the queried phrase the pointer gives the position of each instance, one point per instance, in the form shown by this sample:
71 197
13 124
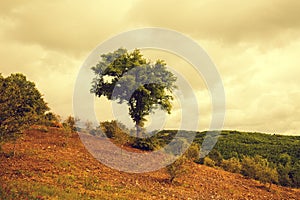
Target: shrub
177 168
259 169
193 152
295 174
284 175
248 167
69 124
50 119
216 157
209 162
284 168
116 131
232 165
148 144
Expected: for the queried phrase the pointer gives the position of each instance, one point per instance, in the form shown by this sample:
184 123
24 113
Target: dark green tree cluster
281 152
21 105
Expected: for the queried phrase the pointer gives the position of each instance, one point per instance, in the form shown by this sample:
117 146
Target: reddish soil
43 157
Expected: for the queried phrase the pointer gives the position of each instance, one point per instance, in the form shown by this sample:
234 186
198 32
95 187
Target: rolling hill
52 164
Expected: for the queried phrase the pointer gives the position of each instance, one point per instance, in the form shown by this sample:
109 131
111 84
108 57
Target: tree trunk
137 130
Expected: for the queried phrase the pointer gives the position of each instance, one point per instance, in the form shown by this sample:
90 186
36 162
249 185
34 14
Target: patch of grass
64 164
66 180
38 191
91 183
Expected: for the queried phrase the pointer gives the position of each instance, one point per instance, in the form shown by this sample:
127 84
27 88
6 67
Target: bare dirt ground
51 164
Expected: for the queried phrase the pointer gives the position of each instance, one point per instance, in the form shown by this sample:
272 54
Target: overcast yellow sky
254 44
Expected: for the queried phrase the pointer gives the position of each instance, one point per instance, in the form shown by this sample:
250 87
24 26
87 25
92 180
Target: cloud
226 21
266 99
68 26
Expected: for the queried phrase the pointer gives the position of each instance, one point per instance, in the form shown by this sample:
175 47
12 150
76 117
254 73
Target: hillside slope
54 165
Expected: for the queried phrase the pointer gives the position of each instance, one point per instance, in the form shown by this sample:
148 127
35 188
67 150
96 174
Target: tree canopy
21 104
129 77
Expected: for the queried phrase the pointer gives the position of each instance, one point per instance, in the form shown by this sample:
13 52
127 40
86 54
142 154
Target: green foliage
248 167
284 169
91 183
232 165
259 168
282 152
69 124
283 175
117 131
193 152
238 144
21 105
147 144
50 116
209 162
128 77
110 128
40 191
295 174
178 168
216 156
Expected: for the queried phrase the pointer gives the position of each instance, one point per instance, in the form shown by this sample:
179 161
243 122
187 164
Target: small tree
128 77
259 169
178 168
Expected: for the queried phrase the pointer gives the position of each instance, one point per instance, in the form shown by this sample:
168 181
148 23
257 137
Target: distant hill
52 164
235 144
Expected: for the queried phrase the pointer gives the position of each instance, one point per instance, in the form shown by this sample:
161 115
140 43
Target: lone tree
21 105
128 77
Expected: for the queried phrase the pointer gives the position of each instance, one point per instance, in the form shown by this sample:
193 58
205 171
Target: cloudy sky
255 46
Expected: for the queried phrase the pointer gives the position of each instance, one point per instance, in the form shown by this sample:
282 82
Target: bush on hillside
178 168
259 168
116 131
147 144
216 156
21 105
232 165
209 162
